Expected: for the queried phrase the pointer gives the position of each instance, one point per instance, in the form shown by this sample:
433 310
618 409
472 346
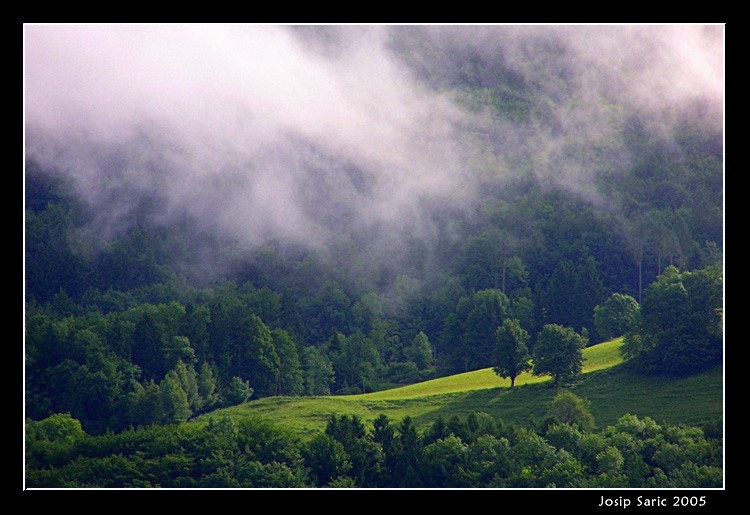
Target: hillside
328 260
612 389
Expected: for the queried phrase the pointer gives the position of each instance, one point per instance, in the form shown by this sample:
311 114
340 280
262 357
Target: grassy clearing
603 355
612 389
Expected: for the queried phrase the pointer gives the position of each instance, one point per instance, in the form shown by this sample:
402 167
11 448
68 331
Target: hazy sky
261 131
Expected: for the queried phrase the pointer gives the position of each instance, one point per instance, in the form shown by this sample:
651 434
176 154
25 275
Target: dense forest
472 452
140 315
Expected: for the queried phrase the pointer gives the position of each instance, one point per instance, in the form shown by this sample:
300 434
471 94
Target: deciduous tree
511 353
616 316
558 352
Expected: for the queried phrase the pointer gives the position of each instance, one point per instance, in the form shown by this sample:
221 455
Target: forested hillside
368 220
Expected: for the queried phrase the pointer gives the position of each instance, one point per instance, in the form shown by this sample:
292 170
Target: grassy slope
613 391
597 357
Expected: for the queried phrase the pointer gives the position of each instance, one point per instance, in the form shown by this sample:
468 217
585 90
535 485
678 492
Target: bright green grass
599 356
612 390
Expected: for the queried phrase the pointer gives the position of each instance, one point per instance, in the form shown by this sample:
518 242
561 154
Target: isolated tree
558 352
615 316
511 354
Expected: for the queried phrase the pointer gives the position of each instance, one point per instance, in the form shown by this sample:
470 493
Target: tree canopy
558 352
680 324
511 354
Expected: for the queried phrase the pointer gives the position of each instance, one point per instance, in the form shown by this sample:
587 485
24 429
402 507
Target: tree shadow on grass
613 392
520 405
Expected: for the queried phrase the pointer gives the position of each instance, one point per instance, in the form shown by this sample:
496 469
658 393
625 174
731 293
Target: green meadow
612 389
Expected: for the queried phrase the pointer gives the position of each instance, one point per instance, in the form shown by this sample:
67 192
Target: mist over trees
337 210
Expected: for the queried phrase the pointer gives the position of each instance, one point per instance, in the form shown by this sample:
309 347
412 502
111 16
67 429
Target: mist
302 134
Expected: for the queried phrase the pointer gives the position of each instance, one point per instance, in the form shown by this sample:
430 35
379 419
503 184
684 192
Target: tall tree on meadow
558 352
511 354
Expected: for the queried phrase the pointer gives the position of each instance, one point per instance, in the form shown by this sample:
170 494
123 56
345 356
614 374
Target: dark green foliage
207 388
447 464
570 409
123 330
356 361
237 392
680 326
132 261
326 459
51 252
174 401
489 262
243 343
57 427
616 316
365 455
106 319
318 371
633 453
559 353
420 352
290 379
511 353
573 292
407 458
560 309
468 337
221 454
326 314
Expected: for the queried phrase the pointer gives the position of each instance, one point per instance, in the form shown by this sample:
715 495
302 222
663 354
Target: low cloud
258 132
